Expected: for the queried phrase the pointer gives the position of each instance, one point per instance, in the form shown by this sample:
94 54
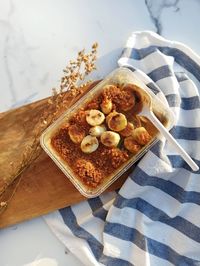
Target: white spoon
147 112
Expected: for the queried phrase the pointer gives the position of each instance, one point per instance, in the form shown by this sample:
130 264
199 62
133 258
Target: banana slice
89 144
97 130
106 106
95 117
108 117
76 134
131 145
128 130
117 122
110 138
141 135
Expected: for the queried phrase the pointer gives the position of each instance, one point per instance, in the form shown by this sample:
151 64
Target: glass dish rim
66 171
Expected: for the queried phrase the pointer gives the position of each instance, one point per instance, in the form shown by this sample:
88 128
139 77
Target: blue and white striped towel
154 219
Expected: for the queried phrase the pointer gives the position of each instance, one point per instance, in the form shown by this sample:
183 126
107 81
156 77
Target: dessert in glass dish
102 135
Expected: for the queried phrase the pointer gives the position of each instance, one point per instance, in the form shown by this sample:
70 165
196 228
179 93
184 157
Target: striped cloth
154 219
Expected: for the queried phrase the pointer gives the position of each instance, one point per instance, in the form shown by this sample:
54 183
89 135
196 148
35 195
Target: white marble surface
38 38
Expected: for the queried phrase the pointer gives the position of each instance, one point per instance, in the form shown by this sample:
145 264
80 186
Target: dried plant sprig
75 72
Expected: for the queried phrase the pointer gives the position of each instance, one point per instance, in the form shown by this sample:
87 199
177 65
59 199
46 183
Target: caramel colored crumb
117 156
79 119
124 99
88 172
94 104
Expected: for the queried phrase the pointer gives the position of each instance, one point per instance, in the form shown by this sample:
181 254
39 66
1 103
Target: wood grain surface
43 187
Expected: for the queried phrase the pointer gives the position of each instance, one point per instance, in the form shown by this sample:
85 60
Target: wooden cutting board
43 187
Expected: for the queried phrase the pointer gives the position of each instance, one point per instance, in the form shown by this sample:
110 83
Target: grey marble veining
39 37
16 65
155 9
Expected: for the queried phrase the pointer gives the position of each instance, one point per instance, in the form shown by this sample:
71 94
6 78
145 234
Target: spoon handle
172 140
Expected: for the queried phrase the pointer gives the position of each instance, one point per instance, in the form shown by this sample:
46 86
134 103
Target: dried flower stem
74 73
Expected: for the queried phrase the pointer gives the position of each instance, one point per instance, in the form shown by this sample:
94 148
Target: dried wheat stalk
75 72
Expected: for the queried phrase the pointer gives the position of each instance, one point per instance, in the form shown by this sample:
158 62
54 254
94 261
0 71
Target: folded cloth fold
154 218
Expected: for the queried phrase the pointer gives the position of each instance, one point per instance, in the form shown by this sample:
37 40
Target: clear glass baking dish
119 76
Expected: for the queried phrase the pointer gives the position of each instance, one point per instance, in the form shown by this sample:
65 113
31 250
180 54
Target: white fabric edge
161 41
78 247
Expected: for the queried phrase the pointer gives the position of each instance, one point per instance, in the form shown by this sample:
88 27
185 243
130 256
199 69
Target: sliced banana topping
141 135
110 139
117 121
97 130
89 144
76 134
106 106
131 145
128 130
108 117
95 117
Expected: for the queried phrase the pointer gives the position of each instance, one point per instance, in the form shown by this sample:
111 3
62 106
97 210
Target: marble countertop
38 38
